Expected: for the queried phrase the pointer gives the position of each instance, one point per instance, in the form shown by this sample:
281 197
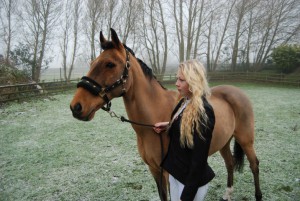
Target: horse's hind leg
254 163
228 159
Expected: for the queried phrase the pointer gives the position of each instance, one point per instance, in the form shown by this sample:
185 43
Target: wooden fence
25 91
280 79
277 79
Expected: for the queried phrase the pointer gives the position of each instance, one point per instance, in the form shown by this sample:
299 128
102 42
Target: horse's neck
146 100
138 100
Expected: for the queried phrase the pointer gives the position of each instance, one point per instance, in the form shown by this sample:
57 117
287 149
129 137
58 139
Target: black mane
146 69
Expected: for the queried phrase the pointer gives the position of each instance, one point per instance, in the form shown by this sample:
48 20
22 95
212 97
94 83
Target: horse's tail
239 156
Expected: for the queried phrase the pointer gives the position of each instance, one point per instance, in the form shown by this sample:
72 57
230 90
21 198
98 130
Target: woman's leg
176 189
201 193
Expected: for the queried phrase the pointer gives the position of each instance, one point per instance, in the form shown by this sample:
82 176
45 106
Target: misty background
234 35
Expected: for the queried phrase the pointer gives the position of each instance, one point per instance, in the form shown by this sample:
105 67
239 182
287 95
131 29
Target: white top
186 102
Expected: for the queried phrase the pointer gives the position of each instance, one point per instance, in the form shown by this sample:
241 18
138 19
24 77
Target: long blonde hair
195 76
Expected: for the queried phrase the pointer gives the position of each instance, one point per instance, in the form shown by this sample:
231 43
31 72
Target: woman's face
182 85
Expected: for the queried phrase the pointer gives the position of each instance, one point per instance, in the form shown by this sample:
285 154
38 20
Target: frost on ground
46 154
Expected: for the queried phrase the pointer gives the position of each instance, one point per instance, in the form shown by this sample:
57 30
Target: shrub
286 57
11 75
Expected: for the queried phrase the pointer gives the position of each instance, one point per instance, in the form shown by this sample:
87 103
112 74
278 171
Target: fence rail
280 79
24 91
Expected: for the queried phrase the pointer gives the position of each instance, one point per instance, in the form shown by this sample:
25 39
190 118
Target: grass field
46 154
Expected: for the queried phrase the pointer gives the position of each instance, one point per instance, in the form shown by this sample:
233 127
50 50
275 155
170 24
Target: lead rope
123 119
161 169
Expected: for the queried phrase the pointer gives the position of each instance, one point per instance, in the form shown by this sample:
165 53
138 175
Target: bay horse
116 72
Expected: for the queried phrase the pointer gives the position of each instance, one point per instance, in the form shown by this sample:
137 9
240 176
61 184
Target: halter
96 89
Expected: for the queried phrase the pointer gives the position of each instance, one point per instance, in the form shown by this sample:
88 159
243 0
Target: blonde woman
190 130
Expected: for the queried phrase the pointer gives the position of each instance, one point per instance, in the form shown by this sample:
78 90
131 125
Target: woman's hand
161 126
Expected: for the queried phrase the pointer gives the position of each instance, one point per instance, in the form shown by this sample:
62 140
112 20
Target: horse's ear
115 38
102 39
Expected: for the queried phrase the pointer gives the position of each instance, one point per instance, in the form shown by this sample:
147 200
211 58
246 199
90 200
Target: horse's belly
224 125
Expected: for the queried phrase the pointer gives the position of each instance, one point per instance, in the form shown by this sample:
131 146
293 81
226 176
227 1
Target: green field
46 154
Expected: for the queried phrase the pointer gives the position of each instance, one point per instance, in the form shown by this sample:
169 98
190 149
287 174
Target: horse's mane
146 69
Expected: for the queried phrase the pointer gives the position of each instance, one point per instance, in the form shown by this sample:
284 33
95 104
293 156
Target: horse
116 72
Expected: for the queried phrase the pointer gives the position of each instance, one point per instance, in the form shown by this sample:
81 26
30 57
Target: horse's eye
110 65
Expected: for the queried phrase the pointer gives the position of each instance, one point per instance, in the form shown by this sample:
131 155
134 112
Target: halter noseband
96 89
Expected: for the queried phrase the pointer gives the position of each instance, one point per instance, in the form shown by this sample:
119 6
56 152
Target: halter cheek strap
96 89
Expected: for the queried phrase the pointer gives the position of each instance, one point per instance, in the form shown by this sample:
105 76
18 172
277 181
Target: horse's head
107 78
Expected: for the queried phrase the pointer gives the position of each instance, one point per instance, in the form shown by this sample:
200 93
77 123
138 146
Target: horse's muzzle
77 112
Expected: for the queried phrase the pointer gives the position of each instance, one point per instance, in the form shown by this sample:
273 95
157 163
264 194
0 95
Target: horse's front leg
161 180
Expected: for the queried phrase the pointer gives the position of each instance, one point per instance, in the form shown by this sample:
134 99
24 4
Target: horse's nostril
77 108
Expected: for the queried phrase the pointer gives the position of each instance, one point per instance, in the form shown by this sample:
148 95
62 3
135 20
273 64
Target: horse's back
234 116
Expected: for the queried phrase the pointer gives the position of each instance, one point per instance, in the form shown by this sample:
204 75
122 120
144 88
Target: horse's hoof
222 199
258 197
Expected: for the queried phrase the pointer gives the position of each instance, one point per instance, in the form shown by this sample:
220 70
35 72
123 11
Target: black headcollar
96 89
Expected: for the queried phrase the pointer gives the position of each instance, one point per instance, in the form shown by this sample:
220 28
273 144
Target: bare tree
155 37
72 17
9 10
179 27
220 17
39 18
111 14
242 7
94 8
130 14
189 18
251 24
106 14
208 54
278 23
201 22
